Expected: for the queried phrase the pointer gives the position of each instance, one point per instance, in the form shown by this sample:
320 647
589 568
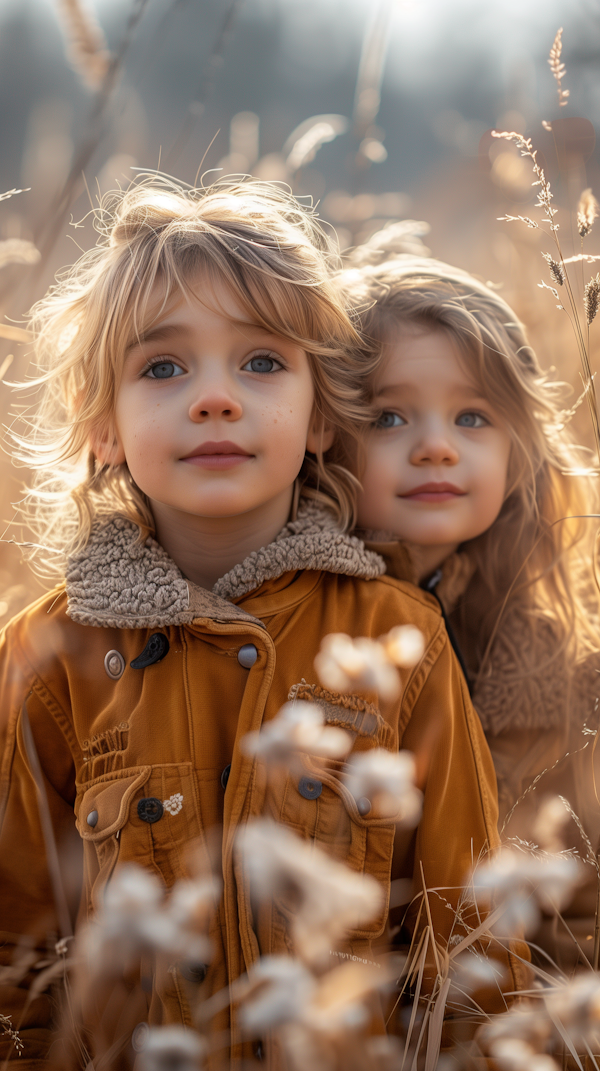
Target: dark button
114 664
364 805
225 776
150 809
92 819
309 788
193 972
156 649
247 655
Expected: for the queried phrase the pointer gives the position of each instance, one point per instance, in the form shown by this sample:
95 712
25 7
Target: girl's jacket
133 688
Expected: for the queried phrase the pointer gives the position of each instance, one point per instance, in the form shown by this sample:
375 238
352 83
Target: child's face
213 417
437 459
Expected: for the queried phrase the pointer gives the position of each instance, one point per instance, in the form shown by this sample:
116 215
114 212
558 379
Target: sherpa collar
117 581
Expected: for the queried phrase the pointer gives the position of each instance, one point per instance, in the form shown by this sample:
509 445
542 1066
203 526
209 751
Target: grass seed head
591 298
587 212
556 270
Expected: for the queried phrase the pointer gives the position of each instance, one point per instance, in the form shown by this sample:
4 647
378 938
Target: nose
434 446
214 401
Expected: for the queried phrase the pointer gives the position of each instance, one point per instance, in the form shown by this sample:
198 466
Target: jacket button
247 655
193 972
225 776
309 788
114 664
92 819
364 805
150 809
155 650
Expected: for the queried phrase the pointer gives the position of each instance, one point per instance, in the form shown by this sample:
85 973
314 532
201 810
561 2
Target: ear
320 437
106 446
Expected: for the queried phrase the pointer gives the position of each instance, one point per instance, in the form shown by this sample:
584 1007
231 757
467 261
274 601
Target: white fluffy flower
347 665
324 898
385 781
521 883
404 645
169 1048
577 1006
298 729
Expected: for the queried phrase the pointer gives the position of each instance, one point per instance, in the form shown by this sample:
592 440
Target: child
196 367
470 464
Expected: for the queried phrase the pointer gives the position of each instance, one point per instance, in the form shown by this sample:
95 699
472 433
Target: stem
596 953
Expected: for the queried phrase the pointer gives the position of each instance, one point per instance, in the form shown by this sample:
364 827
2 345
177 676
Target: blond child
470 465
198 371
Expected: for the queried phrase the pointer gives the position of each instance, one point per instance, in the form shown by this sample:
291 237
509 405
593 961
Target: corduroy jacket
137 685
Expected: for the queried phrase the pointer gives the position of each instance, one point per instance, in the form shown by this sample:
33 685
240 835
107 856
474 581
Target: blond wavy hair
275 258
538 554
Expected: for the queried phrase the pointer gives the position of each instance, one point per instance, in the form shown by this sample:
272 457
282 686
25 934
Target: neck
428 559
206 548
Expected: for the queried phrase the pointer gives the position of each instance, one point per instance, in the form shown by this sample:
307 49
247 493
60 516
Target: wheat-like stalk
587 212
86 44
558 69
559 272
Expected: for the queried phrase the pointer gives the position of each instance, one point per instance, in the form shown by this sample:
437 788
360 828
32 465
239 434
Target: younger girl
470 464
196 367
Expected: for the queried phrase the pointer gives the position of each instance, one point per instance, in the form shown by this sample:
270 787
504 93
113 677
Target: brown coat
171 728
540 727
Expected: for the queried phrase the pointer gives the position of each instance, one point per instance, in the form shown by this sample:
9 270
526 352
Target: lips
213 455
433 492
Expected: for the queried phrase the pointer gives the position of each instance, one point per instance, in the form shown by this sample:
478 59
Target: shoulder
373 607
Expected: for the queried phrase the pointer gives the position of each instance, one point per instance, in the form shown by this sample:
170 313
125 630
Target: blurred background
377 109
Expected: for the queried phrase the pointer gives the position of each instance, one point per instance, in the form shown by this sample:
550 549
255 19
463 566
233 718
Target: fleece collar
119 582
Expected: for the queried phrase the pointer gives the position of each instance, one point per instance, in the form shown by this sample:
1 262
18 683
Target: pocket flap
104 808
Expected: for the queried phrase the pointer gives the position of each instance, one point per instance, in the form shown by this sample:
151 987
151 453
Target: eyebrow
166 332
391 390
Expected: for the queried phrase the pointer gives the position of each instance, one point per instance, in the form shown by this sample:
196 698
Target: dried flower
7 1030
556 270
519 883
587 212
549 823
298 729
135 916
591 298
346 665
577 1007
558 69
385 781
169 1048
525 1024
473 971
404 645
279 989
512 1054
324 898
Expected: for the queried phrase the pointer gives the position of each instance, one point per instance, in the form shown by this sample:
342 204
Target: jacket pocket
146 815
317 805
101 812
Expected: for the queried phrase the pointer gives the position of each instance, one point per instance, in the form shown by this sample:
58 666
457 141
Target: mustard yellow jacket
138 688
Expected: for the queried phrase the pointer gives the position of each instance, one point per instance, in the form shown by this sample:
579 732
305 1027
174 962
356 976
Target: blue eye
262 363
389 420
163 370
471 420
